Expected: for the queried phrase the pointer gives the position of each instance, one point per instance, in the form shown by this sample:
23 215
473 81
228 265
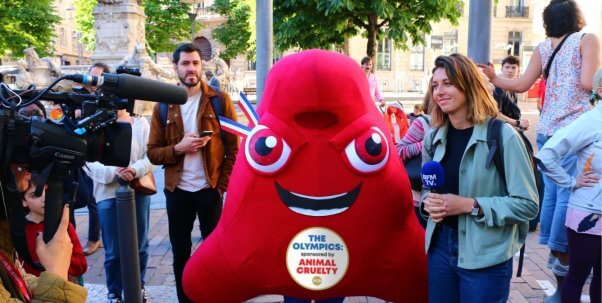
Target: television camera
53 149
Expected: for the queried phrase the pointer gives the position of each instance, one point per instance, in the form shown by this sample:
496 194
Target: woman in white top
105 185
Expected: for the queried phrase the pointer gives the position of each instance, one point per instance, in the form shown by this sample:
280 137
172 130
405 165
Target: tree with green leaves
237 34
167 23
323 23
25 23
84 21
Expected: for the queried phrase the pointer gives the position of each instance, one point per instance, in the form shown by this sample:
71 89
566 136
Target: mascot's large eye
265 150
368 152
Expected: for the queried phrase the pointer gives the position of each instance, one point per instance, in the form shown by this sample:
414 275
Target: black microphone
433 175
132 87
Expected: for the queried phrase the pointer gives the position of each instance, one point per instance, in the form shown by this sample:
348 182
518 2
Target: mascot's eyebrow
340 140
292 137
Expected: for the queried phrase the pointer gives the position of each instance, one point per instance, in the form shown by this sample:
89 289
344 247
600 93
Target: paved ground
535 284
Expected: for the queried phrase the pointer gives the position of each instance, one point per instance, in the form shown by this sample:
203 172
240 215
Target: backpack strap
163 113
496 156
216 102
496 148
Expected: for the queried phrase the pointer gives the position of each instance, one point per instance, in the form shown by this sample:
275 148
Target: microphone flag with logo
433 175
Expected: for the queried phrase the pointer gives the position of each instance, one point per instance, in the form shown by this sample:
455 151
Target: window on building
514 40
450 42
517 3
417 58
74 40
62 37
251 65
383 54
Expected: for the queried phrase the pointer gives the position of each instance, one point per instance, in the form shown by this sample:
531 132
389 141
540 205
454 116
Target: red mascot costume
319 205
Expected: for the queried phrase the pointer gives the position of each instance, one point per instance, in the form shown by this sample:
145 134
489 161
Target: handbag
144 185
413 168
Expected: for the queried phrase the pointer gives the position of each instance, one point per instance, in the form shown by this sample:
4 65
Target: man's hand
191 143
55 255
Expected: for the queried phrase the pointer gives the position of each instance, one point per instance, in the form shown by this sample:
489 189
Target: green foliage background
25 23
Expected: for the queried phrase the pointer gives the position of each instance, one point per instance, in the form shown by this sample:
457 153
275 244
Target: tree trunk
346 47
372 43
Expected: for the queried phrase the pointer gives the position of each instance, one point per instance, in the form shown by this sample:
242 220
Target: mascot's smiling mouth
317 206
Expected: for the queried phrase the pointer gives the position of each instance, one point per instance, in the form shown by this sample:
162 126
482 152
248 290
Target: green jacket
500 232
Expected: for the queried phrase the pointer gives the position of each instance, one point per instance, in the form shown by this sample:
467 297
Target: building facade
67 45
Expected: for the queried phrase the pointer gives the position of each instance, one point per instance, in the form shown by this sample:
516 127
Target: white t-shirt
193 173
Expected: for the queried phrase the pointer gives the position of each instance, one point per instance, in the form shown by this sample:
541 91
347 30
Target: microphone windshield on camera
132 87
432 175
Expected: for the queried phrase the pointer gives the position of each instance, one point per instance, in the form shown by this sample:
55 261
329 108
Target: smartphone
206 133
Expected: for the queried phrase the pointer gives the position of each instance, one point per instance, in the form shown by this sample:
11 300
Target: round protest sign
317 258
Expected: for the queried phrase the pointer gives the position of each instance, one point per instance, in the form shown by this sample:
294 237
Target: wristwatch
517 122
475 208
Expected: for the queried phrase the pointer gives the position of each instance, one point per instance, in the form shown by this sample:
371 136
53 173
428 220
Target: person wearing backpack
197 168
478 218
568 60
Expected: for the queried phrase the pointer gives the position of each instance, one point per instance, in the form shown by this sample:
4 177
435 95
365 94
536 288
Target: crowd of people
475 222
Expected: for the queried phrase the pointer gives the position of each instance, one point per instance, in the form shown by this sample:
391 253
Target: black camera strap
10 132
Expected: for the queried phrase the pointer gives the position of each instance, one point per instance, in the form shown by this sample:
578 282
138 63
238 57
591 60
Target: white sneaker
145 296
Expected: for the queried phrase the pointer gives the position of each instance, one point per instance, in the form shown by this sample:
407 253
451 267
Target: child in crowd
418 111
34 224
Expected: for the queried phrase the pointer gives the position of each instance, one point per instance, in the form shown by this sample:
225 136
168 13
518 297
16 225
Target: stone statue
41 70
32 57
148 68
219 67
24 78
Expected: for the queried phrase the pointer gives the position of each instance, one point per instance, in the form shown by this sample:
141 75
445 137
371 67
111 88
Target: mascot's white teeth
318 213
318 198
318 206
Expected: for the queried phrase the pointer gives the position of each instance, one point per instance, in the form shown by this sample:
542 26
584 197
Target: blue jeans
552 231
449 283
294 300
107 213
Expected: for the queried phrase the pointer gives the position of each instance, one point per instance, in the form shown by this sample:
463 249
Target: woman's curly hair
561 17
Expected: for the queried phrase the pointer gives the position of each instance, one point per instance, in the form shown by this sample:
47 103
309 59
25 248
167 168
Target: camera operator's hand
191 143
55 255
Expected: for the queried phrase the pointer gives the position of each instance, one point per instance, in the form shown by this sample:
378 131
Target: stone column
119 26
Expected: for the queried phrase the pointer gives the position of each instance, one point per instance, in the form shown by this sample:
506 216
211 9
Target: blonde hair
466 77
